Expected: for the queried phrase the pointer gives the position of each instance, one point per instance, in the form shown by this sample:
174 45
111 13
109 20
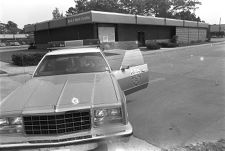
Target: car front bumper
94 135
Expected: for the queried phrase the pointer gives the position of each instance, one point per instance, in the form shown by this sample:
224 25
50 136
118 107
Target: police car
74 96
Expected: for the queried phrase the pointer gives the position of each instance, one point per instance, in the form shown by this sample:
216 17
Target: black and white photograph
112 75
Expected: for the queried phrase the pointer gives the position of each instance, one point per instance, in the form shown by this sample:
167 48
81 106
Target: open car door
133 74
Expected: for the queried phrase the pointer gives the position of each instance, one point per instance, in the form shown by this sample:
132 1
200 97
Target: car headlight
104 116
11 125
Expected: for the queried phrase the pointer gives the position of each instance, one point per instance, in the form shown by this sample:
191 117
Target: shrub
168 44
32 46
152 45
174 39
23 59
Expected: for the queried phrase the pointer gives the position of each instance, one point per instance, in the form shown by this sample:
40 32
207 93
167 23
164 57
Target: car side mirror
124 67
107 69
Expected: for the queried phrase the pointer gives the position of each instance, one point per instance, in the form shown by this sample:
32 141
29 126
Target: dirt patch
209 146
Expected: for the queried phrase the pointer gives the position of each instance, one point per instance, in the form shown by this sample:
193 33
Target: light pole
219 26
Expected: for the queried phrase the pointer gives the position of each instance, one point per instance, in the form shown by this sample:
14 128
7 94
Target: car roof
73 51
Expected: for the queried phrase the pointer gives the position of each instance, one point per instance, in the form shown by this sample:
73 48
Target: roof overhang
109 17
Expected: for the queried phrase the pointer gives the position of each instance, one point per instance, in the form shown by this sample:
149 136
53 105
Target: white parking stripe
156 80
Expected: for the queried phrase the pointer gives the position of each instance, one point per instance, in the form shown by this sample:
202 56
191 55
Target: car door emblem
75 101
135 76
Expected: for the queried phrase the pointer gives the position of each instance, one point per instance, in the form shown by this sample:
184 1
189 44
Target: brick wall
188 35
202 34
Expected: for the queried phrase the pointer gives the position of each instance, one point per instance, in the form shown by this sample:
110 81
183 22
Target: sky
24 12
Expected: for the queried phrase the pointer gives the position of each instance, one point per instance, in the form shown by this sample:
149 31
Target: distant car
14 43
2 44
73 97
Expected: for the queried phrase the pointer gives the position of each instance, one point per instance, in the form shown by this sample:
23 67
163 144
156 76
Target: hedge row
168 44
24 59
153 45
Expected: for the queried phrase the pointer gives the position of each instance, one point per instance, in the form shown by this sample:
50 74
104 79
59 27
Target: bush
174 39
168 44
32 46
152 45
23 59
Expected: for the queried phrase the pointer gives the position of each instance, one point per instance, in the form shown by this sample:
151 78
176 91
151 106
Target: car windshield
71 64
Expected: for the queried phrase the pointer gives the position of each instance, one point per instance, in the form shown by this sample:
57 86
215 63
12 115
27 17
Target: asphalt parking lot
183 104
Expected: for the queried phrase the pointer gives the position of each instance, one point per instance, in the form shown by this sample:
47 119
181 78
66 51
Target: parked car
2 44
73 97
14 43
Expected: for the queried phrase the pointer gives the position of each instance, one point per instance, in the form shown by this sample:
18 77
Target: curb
164 49
13 74
183 47
4 75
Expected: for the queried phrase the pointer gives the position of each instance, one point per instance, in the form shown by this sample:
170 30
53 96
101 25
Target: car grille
59 123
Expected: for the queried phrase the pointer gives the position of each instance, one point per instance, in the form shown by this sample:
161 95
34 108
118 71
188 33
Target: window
106 34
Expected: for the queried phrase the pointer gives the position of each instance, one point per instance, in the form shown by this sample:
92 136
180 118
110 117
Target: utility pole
219 26
194 8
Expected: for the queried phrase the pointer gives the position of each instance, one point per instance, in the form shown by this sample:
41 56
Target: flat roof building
117 29
217 30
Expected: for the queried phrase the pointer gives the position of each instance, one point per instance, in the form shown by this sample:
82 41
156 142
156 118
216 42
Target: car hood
61 93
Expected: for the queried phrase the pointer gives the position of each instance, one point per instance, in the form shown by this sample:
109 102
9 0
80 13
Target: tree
184 5
135 7
56 14
12 27
186 15
97 5
185 9
159 8
71 11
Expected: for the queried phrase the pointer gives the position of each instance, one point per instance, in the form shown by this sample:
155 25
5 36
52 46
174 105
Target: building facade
217 30
117 30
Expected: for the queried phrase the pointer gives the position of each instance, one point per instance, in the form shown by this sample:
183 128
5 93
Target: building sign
82 18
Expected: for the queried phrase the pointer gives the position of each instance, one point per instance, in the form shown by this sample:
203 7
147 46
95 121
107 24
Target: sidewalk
15 70
14 47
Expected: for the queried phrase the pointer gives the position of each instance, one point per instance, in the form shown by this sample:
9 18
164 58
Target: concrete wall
202 34
29 28
148 20
57 23
217 28
188 35
106 17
